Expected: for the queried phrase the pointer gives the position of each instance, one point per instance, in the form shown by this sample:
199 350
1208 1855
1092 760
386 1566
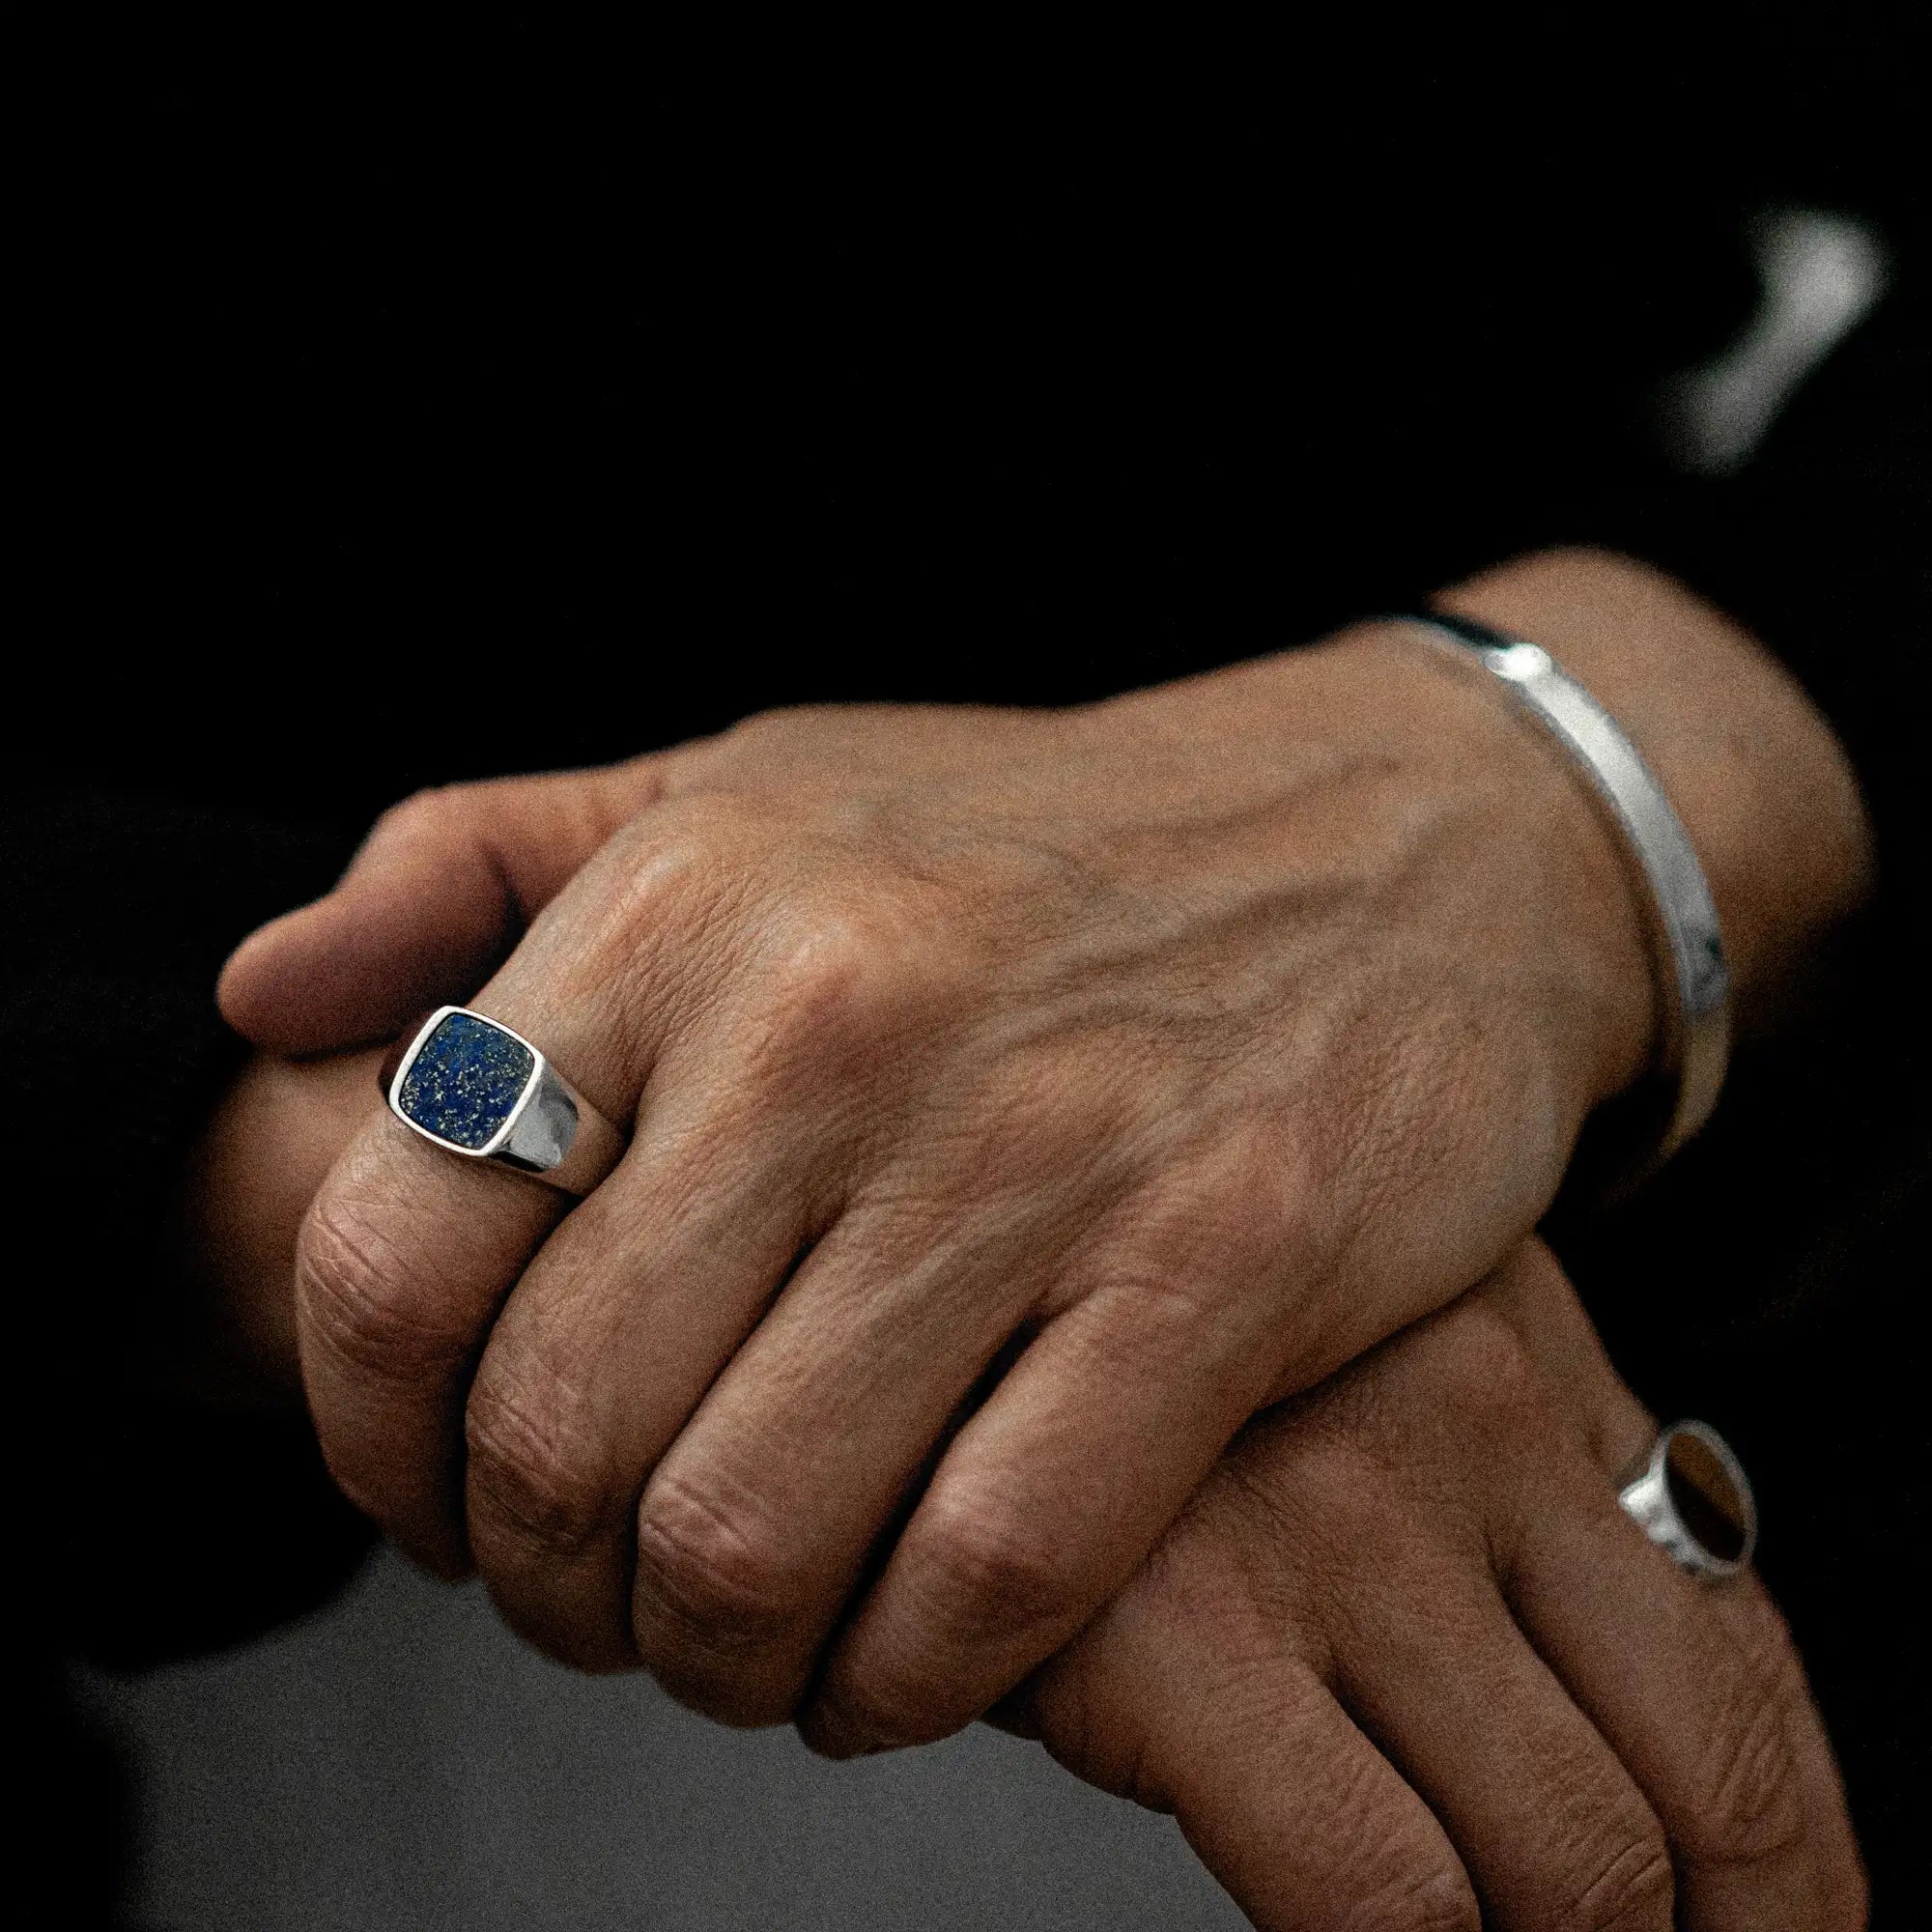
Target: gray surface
400 1761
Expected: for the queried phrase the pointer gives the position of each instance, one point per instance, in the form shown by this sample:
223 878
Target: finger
613 1334
1696 1687
1551 1826
1044 1507
1171 1702
265 1150
408 1250
759 1515
440 891
401 1261
754 1529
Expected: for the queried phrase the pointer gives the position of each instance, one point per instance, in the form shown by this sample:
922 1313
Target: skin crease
1278 1674
1198 1075
1402 1663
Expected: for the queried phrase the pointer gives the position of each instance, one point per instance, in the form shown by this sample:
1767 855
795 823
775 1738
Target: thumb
439 893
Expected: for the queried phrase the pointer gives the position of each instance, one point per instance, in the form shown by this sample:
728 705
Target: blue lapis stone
466 1080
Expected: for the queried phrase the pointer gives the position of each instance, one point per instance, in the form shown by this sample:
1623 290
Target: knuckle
981 1565
1489 1354
839 984
424 816
364 1298
885 1706
973 1575
902 1687
1089 1728
1257 1176
1629 1885
655 913
528 1485
1242 1187
710 1580
1059 1108
782 727
1127 1760
667 873
1472 1351
1344 1482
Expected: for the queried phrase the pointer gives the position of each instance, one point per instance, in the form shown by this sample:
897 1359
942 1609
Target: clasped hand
1019 1102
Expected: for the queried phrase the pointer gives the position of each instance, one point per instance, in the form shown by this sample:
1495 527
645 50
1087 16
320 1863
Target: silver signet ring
479 1089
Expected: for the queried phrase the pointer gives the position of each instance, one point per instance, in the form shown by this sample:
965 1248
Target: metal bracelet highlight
1688 949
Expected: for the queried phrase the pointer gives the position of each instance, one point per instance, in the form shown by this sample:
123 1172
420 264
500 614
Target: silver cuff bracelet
1688 951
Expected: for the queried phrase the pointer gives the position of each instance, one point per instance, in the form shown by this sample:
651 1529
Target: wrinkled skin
948 1037
1400 1660
1404 1664
1020 1100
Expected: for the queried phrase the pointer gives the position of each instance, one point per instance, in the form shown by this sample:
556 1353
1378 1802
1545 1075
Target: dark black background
395 421
601 413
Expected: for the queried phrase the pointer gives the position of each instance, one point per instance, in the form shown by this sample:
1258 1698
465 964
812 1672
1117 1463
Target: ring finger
1695 1684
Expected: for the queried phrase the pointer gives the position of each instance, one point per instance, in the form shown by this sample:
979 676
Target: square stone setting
465 1081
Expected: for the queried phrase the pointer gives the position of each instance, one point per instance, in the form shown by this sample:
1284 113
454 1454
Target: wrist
1752 769
1546 839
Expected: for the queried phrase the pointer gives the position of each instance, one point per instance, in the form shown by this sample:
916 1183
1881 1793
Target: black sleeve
166 1527
1819 545
1770 1278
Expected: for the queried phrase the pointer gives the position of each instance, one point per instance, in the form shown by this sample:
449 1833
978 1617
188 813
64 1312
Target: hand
1155 1058
1403 1653
270 1140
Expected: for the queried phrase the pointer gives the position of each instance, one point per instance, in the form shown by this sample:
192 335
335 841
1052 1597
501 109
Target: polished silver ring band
1688 949
478 1088
1694 1501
